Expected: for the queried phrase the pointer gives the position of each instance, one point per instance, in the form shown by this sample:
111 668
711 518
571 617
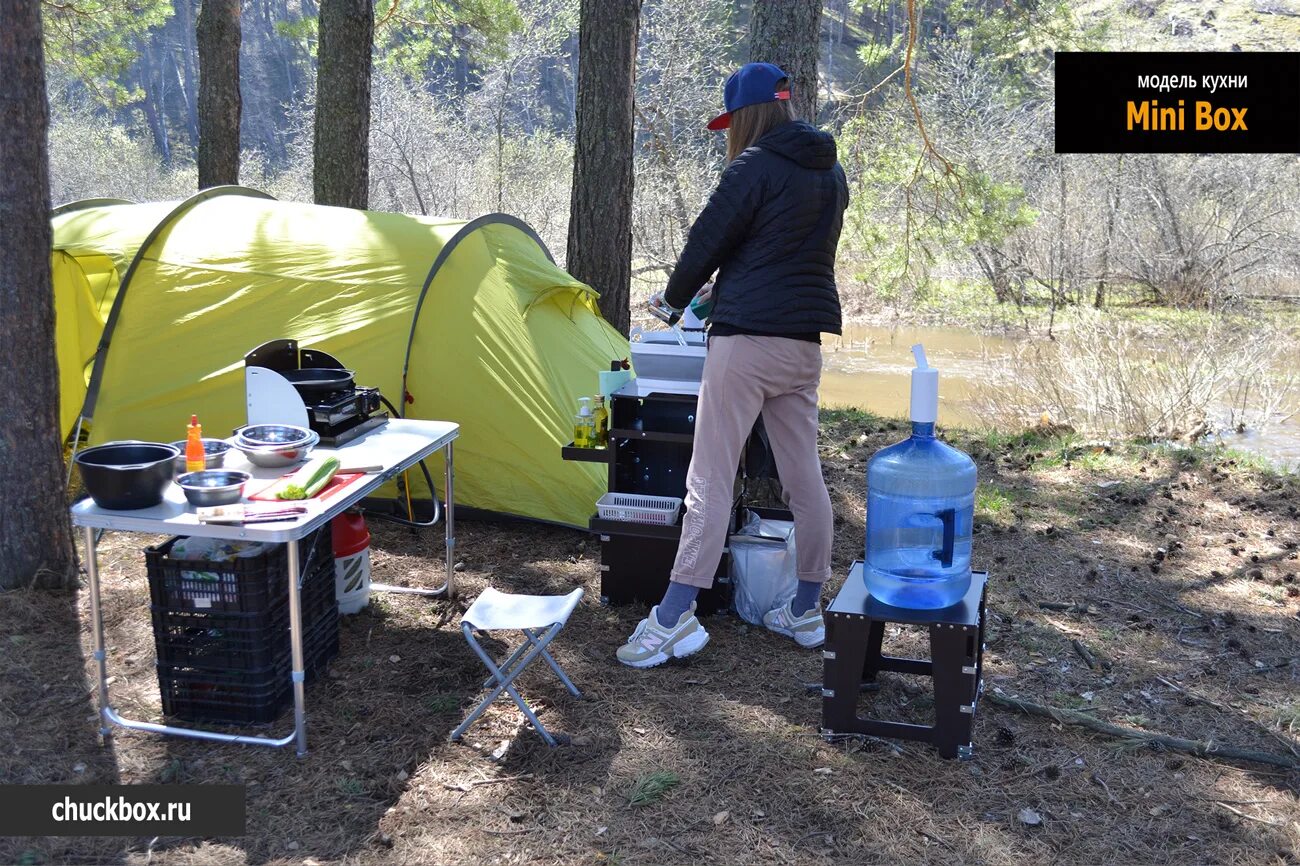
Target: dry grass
1184 574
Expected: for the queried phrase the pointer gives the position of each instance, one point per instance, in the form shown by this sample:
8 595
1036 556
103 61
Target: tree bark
219 100
341 152
785 32
35 533
600 209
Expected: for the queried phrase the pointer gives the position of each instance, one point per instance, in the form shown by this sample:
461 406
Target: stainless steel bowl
213 486
277 456
262 435
214 450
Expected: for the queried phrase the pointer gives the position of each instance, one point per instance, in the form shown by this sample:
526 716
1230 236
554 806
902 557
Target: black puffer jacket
771 227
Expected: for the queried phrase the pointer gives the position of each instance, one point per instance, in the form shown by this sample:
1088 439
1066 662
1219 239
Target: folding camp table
397 446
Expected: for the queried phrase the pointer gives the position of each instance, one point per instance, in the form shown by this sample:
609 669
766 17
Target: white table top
397 446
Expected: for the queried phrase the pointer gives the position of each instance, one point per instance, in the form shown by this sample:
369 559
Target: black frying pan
314 381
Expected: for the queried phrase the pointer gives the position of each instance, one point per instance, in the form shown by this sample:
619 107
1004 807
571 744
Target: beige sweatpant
744 376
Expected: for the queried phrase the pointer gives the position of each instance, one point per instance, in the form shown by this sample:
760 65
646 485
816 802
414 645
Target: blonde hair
752 122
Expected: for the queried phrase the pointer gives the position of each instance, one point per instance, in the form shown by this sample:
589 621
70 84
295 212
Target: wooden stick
1277 735
1201 749
1248 816
1064 606
466 786
1089 659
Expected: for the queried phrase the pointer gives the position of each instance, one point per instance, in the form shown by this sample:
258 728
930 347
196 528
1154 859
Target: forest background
961 213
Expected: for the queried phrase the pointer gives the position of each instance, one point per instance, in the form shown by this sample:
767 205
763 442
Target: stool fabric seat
540 618
494 610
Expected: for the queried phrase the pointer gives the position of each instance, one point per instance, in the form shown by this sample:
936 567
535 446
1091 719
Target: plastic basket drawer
639 508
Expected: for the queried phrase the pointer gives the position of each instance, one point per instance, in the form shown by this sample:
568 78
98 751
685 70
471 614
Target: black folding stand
855 630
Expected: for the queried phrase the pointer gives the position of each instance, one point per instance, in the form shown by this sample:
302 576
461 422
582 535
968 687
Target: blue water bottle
920 510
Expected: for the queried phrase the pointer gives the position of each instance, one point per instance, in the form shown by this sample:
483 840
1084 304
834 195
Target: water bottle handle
944 554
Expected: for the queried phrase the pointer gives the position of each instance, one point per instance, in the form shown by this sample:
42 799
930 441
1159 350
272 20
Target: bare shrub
682 62
1204 227
1105 376
93 157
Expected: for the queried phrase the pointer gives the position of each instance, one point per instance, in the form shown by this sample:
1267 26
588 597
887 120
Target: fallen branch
1197 698
465 787
1065 606
1248 816
1088 656
1201 749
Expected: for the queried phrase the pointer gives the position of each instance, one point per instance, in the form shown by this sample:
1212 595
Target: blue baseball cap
751 84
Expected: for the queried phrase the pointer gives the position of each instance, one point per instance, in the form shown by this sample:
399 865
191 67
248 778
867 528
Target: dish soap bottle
584 431
920 510
196 459
600 420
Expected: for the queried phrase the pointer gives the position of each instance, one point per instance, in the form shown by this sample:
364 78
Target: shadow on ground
1175 569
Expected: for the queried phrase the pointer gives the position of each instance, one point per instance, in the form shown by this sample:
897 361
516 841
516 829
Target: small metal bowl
213 486
264 435
214 450
277 456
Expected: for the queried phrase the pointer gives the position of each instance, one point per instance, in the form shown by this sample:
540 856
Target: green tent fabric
158 303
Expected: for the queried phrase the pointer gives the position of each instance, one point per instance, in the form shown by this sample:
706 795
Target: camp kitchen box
651 435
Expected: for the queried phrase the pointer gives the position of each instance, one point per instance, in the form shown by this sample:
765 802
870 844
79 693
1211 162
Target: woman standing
770 231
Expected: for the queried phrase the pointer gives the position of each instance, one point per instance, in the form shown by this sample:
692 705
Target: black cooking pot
127 475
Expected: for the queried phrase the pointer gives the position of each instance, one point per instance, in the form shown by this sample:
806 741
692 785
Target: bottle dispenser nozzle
925 389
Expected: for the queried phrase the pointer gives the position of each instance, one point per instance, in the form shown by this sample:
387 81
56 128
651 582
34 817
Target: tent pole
72 458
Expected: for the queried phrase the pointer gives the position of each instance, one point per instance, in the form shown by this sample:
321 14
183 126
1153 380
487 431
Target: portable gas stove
309 388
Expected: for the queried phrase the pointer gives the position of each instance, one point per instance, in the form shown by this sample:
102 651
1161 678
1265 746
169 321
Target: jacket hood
802 143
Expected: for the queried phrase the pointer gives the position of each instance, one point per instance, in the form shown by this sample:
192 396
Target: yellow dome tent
157 305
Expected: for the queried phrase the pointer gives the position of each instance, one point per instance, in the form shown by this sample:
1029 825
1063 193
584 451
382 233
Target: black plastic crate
235 640
255 696
243 640
244 585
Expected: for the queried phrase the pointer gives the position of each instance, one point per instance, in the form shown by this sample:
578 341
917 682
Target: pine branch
1199 748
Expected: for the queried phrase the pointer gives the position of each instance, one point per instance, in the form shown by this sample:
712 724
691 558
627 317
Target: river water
869 368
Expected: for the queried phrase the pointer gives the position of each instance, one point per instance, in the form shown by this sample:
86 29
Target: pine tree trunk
35 533
785 32
341 154
600 209
219 100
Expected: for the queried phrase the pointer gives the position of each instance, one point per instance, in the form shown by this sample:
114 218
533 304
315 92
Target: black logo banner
1177 102
122 810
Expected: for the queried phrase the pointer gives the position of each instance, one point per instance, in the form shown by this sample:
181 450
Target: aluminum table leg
295 647
97 629
448 589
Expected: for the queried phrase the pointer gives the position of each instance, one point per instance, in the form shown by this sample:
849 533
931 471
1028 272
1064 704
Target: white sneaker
808 630
652 644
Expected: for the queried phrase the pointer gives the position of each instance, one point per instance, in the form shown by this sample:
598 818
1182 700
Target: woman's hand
705 293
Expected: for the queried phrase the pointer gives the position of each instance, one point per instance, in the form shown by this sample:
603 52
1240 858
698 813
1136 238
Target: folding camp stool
540 618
